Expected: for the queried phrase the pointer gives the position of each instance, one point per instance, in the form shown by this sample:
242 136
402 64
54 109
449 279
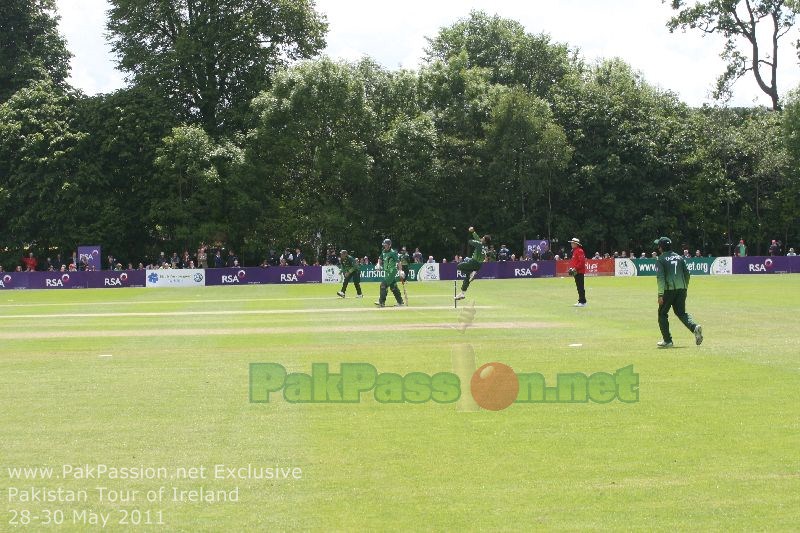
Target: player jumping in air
470 266
350 271
389 261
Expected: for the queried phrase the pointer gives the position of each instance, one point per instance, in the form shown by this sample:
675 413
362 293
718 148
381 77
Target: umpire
673 284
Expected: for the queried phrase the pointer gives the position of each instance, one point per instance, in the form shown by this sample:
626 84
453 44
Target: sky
393 33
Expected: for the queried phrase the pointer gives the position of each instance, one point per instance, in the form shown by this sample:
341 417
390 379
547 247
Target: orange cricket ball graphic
494 386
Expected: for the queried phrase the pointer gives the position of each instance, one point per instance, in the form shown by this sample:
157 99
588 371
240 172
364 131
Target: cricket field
132 408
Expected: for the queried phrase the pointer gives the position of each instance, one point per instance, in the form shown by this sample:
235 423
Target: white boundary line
236 312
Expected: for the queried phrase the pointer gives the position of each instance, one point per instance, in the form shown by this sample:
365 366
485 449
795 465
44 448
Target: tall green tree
310 151
212 57
512 55
31 48
760 24
38 141
528 151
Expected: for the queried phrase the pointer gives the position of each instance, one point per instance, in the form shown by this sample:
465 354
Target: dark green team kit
350 272
389 262
470 266
673 284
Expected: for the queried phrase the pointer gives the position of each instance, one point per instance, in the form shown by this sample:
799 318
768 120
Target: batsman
389 261
350 272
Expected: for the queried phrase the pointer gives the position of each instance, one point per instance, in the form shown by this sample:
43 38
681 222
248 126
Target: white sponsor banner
331 274
176 278
624 267
429 272
722 266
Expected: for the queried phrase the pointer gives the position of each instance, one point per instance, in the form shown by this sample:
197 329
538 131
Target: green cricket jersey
671 272
480 252
348 265
389 262
405 259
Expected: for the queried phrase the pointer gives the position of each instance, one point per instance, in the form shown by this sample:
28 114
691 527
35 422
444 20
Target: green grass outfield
159 378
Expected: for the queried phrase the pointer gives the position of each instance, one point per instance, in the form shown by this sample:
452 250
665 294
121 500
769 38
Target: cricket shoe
579 305
360 296
401 304
460 296
664 344
340 294
698 334
379 304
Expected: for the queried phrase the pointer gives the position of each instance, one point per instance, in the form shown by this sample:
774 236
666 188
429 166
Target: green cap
662 241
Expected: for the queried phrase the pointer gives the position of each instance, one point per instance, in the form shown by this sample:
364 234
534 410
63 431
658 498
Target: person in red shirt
577 268
30 263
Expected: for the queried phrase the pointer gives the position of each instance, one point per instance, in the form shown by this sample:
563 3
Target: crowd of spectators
219 257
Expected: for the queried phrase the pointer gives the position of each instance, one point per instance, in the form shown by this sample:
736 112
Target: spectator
186 259
30 262
283 262
697 253
791 253
504 253
741 249
491 254
332 258
625 254
299 258
218 261
431 259
596 255
686 253
417 255
18 269
111 262
232 258
202 256
287 257
774 249
174 260
365 260
272 258
513 257
643 256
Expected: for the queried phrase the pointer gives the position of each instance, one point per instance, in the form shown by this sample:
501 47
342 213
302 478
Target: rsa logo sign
526 272
295 277
62 282
239 277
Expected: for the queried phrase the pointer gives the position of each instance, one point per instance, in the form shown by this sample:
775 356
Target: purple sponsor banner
503 270
58 280
536 245
92 255
258 275
115 279
778 264
307 274
526 269
13 280
237 276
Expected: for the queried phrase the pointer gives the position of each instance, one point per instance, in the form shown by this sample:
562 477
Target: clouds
393 33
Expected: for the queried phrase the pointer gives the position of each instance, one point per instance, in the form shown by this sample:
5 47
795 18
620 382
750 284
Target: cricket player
470 266
389 261
405 260
673 284
577 269
350 272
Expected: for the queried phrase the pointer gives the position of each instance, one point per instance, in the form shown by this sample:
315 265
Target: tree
212 57
30 46
38 141
513 56
310 151
527 150
736 19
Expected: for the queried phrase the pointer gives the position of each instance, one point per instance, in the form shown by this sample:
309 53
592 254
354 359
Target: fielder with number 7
673 285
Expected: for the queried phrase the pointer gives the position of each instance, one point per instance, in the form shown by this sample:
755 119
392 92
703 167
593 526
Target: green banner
370 273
